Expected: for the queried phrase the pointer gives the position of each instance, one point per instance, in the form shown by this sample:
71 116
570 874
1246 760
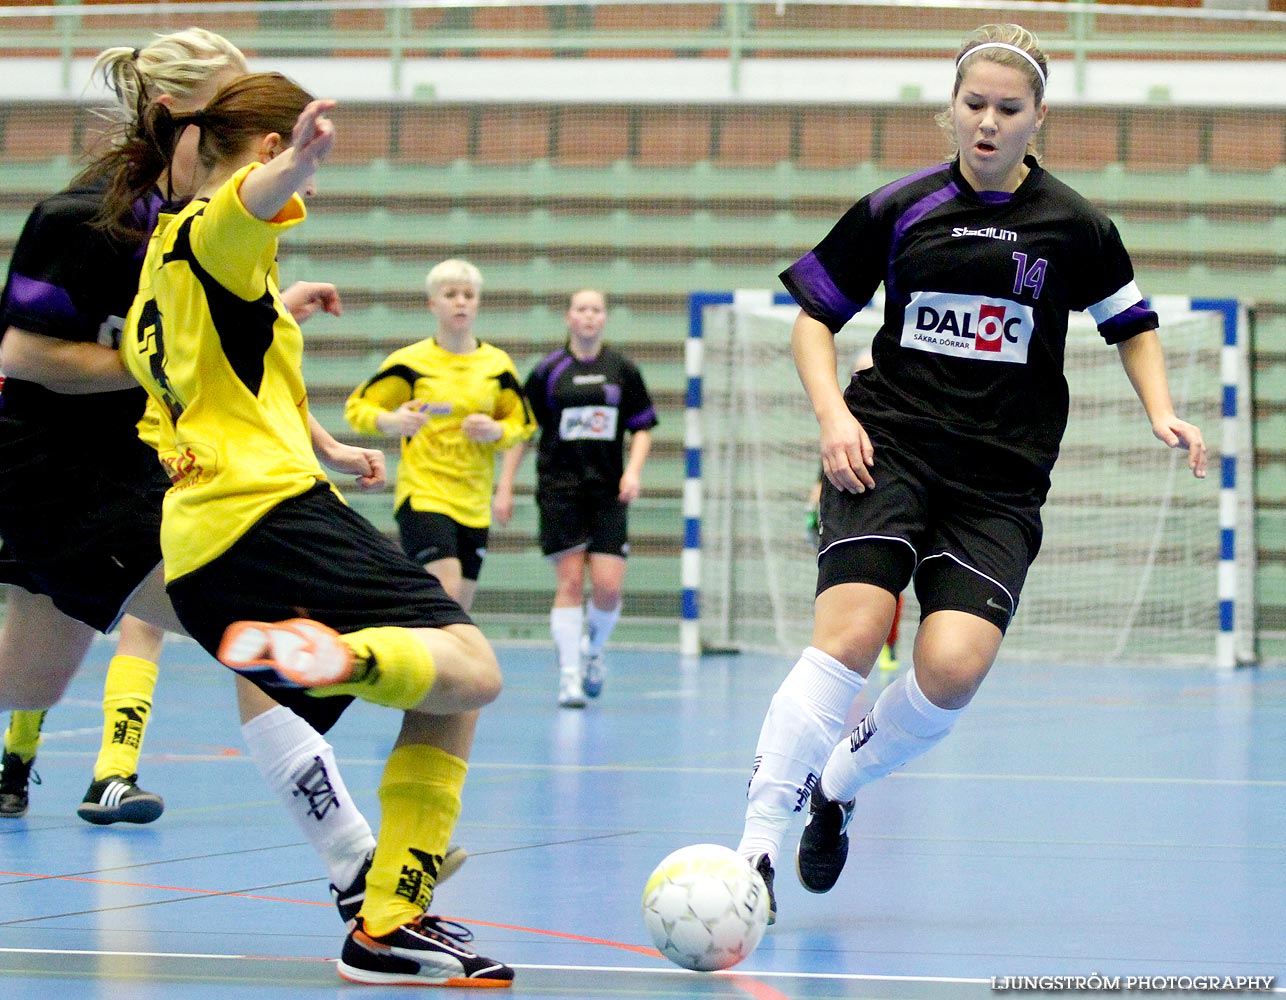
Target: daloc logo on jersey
967 326
588 423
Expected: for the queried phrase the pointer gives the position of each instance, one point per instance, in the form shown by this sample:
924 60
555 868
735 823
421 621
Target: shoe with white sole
118 799
427 951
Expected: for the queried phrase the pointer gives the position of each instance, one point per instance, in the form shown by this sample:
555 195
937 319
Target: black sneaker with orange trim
427 951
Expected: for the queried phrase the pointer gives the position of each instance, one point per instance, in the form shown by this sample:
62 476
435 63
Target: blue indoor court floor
1080 820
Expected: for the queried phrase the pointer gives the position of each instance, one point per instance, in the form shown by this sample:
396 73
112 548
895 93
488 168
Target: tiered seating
653 202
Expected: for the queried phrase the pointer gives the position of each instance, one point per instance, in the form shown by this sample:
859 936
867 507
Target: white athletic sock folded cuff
829 681
925 718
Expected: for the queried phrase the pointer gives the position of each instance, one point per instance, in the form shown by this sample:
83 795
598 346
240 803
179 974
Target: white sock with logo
299 766
803 722
566 625
599 624
902 725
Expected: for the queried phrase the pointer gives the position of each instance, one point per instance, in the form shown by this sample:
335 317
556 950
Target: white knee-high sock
565 625
902 725
599 625
803 722
299 766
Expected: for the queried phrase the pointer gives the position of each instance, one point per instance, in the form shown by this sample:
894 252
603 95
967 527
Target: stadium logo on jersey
991 233
588 423
965 326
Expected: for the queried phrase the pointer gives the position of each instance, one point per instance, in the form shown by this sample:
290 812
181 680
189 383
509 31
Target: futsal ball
705 907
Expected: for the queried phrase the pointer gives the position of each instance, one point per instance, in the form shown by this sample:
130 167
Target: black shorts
969 549
594 520
428 536
84 531
311 557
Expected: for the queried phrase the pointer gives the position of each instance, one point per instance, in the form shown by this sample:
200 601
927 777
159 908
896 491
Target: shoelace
437 927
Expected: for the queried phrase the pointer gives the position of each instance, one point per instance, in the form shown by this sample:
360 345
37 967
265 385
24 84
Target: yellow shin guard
23 735
127 707
419 803
398 669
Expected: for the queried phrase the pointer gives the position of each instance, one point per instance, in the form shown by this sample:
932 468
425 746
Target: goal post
1140 563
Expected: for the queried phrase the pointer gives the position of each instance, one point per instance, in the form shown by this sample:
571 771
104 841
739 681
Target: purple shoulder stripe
885 193
53 304
557 370
920 209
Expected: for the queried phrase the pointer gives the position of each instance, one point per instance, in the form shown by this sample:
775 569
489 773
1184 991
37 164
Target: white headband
1012 48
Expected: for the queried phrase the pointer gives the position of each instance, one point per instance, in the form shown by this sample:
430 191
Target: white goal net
1129 569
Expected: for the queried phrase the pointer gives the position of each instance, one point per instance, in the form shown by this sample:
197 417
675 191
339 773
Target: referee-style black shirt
978 286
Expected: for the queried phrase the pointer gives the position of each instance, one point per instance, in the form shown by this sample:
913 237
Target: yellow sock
419 804
23 735
400 668
127 705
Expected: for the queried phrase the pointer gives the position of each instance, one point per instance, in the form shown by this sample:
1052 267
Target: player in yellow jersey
265 565
82 529
453 402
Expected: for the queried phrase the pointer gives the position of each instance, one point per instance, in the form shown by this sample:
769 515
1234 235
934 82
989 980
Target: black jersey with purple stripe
69 281
584 409
978 287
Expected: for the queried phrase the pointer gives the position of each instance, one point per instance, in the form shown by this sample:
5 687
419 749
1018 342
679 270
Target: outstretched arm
266 191
1144 364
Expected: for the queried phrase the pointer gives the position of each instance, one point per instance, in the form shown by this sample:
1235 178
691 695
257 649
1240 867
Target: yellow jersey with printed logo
219 353
441 469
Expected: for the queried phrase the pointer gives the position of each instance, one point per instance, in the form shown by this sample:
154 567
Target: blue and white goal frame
1234 644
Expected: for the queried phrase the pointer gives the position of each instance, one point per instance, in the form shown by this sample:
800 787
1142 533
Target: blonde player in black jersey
452 402
82 529
265 565
937 459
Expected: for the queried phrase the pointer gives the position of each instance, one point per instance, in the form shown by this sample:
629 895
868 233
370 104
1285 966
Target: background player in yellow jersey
453 402
254 536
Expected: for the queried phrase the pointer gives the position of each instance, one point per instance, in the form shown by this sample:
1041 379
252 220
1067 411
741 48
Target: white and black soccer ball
705 907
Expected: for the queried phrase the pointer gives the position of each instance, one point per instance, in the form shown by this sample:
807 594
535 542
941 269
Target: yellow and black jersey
210 339
441 469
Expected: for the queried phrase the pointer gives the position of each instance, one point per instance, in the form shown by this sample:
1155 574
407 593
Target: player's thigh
151 604
563 521
40 650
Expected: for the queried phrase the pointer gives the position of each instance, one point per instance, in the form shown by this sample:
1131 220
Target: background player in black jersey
937 459
586 396
66 446
254 535
82 529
